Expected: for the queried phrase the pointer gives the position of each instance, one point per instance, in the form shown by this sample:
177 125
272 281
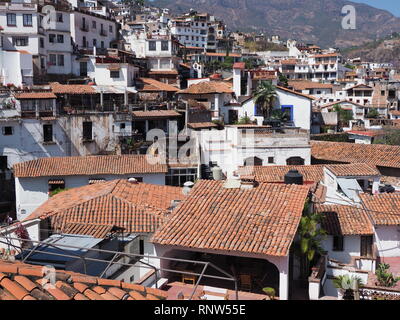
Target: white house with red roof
35 180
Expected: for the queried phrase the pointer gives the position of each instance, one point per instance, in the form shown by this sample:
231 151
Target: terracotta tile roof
72 88
325 55
206 87
384 208
100 231
87 165
345 220
156 114
289 61
202 125
369 133
296 93
137 207
20 281
340 102
353 169
277 173
35 95
239 65
262 220
304 85
154 85
222 54
372 154
311 173
166 72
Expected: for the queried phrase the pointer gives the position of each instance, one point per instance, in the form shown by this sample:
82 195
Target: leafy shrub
386 278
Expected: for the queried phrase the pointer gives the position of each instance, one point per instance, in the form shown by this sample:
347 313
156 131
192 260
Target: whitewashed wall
33 192
388 241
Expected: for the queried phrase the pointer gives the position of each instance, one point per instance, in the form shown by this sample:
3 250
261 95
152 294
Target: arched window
253 161
295 161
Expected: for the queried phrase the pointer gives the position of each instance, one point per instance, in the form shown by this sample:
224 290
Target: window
27 20
295 161
177 177
60 17
337 243
152 46
122 126
7 131
60 38
83 68
52 59
102 44
114 74
41 42
141 246
60 60
11 20
47 133
164 45
84 42
366 246
52 38
87 130
110 28
271 160
94 42
3 162
20 41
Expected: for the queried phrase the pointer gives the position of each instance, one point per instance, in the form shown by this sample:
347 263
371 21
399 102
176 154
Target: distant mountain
311 21
385 50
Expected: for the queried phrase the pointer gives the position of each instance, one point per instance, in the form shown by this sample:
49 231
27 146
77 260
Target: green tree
309 242
390 137
265 96
348 285
384 277
344 116
283 80
372 114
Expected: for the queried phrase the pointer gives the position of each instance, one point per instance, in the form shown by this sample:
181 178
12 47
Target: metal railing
7 240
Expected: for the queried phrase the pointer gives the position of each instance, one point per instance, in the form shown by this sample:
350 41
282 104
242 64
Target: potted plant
270 292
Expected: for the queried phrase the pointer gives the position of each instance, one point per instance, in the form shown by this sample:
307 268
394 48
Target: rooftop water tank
216 173
293 177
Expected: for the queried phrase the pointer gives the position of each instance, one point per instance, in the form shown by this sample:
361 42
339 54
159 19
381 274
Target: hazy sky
390 5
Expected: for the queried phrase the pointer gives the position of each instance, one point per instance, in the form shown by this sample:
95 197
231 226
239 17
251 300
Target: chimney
237 78
247 183
293 177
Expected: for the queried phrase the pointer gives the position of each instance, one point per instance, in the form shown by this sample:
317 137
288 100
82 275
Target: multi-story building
27 29
198 30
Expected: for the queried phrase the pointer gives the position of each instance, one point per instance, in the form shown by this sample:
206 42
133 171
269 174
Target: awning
350 187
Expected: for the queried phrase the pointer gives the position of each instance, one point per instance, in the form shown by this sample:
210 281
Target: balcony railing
85 27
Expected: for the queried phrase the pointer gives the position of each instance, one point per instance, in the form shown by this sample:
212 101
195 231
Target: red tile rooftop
262 220
20 281
87 165
134 207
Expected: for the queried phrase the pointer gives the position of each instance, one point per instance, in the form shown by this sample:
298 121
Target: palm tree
265 96
348 286
310 238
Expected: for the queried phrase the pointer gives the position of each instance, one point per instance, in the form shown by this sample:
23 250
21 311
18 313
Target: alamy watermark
349 21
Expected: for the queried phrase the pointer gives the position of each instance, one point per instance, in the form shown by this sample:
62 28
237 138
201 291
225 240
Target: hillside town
152 155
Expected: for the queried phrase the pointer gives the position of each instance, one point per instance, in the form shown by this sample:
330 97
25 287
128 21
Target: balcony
84 27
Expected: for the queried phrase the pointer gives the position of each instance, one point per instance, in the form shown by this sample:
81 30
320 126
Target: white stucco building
34 186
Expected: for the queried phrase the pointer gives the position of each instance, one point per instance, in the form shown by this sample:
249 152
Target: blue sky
392 6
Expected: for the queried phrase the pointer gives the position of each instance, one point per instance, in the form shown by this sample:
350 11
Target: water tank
216 173
293 177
